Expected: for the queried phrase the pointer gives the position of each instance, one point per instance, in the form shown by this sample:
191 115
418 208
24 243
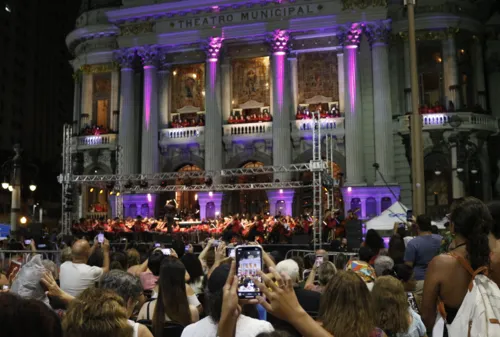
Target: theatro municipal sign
247 16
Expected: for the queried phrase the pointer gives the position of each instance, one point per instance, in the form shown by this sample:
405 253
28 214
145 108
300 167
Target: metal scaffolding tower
65 180
317 168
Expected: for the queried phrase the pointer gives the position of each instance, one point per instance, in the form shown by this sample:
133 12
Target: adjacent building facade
208 85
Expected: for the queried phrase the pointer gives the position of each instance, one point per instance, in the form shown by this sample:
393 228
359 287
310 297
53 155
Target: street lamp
23 220
5 185
32 187
11 188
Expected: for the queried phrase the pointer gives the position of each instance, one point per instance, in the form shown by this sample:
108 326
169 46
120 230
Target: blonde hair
97 313
390 305
346 306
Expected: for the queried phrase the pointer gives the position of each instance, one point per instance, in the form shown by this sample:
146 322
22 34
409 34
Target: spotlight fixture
11 188
5 185
91 189
101 191
208 181
438 172
32 187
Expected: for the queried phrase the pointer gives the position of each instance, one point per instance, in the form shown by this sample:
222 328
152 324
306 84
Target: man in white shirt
76 275
207 327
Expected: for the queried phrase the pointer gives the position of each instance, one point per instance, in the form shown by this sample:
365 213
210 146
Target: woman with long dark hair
195 271
374 241
172 303
446 279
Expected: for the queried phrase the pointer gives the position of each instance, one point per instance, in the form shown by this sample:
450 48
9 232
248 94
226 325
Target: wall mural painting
318 75
102 85
188 86
251 81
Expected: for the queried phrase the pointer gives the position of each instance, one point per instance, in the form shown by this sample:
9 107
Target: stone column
115 99
282 150
407 71
479 82
213 118
164 94
350 40
226 88
149 149
450 67
378 35
87 109
127 137
341 76
457 185
77 104
294 83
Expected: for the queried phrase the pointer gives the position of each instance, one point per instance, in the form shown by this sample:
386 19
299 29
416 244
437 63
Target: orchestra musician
329 224
170 211
256 230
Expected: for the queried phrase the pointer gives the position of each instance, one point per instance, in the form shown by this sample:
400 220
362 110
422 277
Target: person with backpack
467 300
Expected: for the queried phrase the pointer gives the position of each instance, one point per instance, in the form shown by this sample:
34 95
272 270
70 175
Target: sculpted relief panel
251 81
318 75
188 86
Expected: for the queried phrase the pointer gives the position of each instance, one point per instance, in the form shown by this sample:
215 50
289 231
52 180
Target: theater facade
166 86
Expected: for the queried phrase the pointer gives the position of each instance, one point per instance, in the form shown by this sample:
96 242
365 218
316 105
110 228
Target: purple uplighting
213 74
213 48
351 62
279 58
147 95
279 42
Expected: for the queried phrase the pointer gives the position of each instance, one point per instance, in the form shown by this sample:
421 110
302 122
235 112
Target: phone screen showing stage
248 264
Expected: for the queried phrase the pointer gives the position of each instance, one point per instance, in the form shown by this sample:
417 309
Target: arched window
281 207
187 201
385 204
356 206
371 207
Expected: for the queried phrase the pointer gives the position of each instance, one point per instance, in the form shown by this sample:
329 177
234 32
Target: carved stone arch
242 158
175 163
100 167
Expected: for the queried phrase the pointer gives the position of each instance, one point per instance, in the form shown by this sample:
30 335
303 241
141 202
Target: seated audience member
118 260
382 263
363 270
404 273
172 303
326 271
76 276
347 309
195 271
127 286
149 278
421 250
207 327
392 311
341 261
100 313
308 300
133 260
26 317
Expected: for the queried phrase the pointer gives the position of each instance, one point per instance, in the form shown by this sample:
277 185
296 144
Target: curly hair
346 306
472 220
390 305
97 313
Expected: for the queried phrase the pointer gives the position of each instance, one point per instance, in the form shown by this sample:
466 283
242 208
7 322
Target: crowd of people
179 122
422 281
305 113
249 118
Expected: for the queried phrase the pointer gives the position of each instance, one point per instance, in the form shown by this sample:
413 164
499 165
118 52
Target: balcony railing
100 141
248 129
441 121
326 124
181 135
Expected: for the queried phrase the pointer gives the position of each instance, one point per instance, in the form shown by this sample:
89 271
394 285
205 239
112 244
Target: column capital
163 65
212 48
149 55
125 58
350 36
279 42
379 32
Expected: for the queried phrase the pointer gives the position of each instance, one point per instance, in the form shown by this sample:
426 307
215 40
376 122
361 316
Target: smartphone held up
248 266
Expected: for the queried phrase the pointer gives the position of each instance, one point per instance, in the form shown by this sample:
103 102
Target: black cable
377 166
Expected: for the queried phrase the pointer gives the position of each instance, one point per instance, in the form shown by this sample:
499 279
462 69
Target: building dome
88 5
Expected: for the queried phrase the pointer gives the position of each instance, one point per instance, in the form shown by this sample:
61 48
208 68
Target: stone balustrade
181 135
95 141
247 129
441 121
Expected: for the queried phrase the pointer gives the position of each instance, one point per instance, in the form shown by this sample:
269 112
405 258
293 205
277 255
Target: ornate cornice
351 35
279 41
431 35
125 58
137 28
97 68
362 4
148 55
379 32
212 48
